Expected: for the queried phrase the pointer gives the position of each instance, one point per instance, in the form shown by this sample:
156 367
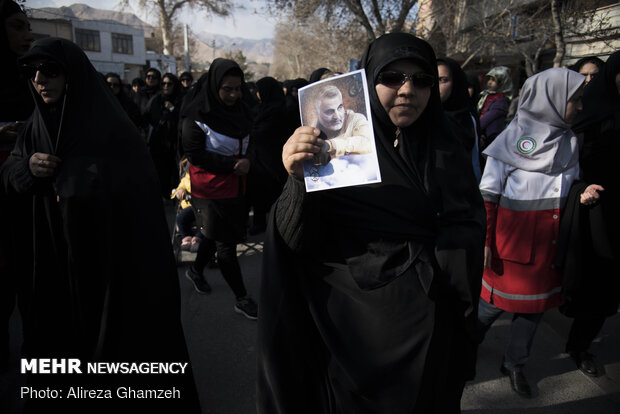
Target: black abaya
104 284
360 283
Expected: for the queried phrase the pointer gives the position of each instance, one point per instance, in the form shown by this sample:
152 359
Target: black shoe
585 363
517 382
247 307
200 284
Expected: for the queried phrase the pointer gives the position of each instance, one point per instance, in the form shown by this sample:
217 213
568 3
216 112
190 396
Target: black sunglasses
49 69
398 79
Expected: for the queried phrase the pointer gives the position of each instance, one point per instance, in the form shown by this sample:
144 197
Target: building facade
110 46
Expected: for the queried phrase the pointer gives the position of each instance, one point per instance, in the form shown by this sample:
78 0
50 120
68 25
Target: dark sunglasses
152 77
398 79
114 84
49 69
167 83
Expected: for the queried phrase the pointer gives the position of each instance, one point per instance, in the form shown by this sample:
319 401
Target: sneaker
247 307
200 284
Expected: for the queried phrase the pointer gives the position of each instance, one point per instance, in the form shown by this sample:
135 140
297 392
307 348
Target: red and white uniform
208 185
523 221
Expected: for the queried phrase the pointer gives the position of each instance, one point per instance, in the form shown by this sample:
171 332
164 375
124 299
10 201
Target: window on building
122 43
88 39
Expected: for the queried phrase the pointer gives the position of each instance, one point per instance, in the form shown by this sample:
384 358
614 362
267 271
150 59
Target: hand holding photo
338 107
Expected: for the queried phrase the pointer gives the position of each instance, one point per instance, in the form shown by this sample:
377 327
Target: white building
112 47
163 63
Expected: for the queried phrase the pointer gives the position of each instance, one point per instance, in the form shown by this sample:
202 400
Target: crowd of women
374 298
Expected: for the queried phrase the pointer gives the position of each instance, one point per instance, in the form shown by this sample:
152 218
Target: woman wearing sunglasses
99 290
162 114
362 286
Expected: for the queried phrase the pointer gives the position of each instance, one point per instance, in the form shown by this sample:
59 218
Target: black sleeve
193 139
15 173
293 214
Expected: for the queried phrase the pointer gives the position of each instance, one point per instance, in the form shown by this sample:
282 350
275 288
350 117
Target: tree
376 17
241 60
167 11
496 29
303 46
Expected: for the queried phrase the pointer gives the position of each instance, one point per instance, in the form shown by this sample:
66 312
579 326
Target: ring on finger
41 163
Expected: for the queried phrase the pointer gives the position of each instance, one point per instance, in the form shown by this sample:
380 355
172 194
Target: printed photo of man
345 131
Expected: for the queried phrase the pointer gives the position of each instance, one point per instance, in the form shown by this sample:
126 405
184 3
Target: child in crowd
185 217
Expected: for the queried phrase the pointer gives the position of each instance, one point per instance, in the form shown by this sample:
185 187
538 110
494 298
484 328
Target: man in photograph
345 131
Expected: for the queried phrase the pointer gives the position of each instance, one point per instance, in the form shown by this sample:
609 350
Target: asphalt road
222 349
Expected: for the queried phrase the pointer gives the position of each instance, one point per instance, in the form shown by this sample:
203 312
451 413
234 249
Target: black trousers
582 333
227 261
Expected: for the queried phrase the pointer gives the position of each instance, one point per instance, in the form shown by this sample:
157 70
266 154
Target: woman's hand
43 165
301 146
590 194
242 166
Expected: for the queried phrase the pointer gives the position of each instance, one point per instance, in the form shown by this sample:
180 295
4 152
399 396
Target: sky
249 22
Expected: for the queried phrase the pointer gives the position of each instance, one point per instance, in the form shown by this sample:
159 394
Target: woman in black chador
589 242
99 290
270 131
459 109
162 115
362 286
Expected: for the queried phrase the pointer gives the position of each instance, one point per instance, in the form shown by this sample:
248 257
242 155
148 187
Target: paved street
222 349
222 345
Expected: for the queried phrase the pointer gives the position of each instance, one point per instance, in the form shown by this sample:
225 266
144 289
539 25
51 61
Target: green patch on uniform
526 145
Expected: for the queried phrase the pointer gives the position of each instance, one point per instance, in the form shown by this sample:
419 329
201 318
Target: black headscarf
15 100
590 59
427 182
473 81
126 102
87 292
204 104
271 94
459 106
600 97
155 106
318 74
270 129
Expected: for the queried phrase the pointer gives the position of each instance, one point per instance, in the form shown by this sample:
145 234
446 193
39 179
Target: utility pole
186 38
213 49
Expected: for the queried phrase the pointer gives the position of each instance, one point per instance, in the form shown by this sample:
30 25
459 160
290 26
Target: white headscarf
538 138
